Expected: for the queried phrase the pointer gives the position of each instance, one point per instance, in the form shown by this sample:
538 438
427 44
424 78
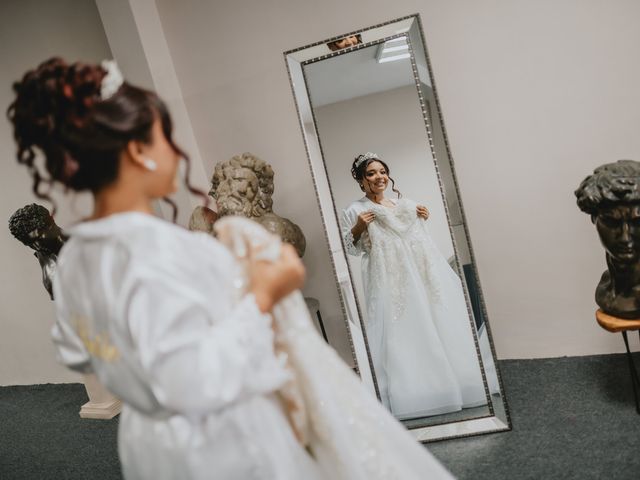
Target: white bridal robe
417 322
156 312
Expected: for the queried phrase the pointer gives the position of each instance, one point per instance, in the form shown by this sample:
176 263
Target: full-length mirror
395 225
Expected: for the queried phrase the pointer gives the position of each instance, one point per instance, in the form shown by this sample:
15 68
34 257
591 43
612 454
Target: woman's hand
364 219
422 211
272 281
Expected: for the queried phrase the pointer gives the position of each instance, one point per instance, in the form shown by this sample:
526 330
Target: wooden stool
614 325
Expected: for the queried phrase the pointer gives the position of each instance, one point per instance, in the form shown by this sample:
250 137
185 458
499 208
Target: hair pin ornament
366 156
112 81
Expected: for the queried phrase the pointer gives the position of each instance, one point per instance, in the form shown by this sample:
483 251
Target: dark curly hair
358 172
610 184
27 219
59 112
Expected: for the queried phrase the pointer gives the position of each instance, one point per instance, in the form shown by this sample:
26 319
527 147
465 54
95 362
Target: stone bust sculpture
34 226
202 220
611 195
244 186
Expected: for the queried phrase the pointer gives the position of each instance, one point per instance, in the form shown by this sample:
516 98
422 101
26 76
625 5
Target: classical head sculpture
33 225
611 196
243 185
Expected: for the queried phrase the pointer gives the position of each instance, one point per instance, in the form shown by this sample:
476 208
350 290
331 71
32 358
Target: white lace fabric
417 322
349 433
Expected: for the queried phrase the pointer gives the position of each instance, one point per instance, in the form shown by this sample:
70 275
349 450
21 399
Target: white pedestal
102 405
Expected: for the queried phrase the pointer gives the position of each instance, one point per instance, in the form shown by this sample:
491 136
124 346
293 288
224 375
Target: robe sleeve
347 221
196 363
70 350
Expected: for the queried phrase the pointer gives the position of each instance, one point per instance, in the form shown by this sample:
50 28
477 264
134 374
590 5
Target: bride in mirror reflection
418 327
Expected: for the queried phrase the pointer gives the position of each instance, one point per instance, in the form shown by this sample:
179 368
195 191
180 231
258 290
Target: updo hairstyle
58 111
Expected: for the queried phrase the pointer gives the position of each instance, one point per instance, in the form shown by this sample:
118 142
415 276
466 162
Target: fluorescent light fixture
390 50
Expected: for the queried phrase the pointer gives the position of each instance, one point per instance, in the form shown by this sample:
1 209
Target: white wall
30 32
137 41
534 94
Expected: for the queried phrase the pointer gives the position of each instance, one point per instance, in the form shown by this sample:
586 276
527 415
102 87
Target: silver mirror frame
498 418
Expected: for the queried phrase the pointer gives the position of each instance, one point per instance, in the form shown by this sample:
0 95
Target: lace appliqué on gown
349 244
398 239
352 247
418 326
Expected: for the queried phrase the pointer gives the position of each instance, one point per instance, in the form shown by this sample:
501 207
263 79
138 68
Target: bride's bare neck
376 197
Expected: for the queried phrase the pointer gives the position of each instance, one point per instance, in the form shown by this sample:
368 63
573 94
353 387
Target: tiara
364 157
112 81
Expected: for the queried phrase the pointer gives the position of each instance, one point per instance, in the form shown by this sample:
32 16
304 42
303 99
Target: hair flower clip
112 81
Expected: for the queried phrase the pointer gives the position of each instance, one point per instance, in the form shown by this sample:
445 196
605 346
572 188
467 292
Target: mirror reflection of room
395 231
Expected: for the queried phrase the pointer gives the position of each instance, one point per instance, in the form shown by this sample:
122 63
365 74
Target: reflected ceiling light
393 58
393 50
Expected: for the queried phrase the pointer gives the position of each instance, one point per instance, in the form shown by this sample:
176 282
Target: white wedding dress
347 431
418 326
160 315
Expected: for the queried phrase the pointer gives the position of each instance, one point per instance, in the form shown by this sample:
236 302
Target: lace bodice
396 242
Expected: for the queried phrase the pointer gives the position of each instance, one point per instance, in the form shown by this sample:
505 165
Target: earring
149 164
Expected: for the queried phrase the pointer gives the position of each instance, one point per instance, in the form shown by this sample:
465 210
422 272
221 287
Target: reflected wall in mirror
387 191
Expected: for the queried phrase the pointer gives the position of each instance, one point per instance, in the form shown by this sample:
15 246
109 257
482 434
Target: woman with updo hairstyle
417 322
146 304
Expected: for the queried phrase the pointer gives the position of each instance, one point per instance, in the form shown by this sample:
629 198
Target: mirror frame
295 61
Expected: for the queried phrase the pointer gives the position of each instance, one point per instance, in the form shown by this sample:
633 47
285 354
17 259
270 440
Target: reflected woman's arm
362 222
351 231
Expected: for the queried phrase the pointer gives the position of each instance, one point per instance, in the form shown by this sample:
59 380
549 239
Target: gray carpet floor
573 418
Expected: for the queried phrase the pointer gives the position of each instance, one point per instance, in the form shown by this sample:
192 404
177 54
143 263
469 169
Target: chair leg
635 382
324 332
